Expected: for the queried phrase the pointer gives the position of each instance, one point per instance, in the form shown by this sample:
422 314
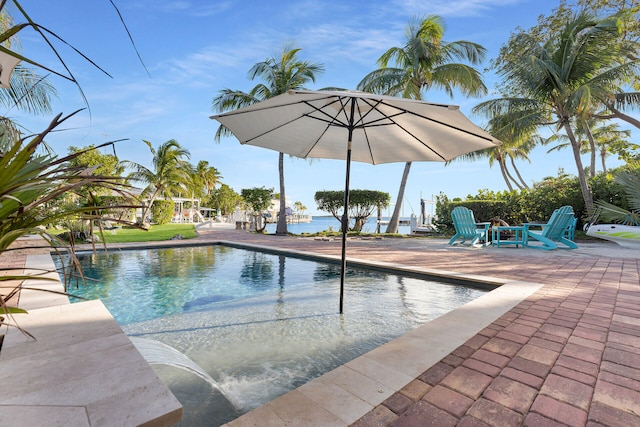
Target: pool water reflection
260 324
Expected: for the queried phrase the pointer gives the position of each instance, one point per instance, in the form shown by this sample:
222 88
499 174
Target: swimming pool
260 324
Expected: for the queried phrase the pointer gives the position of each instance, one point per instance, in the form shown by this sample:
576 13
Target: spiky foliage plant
604 211
30 183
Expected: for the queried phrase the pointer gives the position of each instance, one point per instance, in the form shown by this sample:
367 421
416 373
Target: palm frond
630 180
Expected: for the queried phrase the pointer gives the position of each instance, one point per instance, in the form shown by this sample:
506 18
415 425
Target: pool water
259 324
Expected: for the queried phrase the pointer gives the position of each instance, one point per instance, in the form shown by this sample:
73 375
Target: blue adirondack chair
467 228
555 231
570 232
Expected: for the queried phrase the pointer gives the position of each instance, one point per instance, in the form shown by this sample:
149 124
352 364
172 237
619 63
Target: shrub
162 211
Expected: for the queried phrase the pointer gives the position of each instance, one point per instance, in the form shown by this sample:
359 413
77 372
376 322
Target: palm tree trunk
592 147
395 217
622 116
147 208
515 181
515 169
584 187
603 158
281 228
505 175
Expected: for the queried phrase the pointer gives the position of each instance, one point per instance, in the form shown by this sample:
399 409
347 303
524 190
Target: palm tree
209 177
169 175
279 75
425 62
300 207
556 81
516 145
203 180
610 139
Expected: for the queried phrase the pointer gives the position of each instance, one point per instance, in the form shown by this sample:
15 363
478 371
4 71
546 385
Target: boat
624 235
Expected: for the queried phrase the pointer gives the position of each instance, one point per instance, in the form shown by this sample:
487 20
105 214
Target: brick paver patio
567 355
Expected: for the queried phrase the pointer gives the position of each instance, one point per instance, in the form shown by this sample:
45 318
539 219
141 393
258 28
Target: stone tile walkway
567 355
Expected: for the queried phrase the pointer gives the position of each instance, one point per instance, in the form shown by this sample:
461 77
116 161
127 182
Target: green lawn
155 233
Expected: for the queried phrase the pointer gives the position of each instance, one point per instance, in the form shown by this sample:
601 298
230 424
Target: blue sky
192 49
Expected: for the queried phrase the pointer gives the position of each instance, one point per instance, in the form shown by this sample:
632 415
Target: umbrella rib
438 122
331 120
402 111
316 141
254 109
272 129
366 137
411 133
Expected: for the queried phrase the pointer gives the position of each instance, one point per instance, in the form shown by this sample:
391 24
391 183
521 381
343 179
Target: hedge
534 204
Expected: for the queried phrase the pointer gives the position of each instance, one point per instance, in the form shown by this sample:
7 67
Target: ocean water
324 223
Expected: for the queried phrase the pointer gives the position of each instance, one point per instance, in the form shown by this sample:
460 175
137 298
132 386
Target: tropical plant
27 90
515 145
28 183
300 207
629 179
101 164
208 176
162 211
279 75
556 81
611 139
598 141
362 203
203 180
425 62
29 180
170 173
34 92
225 199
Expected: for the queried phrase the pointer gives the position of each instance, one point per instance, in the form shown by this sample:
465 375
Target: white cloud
449 8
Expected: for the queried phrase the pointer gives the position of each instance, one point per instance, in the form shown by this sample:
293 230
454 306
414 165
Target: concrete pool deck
560 346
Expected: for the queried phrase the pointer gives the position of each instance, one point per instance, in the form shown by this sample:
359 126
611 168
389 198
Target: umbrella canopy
356 126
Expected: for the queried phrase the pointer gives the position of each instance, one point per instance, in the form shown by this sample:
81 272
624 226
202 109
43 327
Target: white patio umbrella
356 126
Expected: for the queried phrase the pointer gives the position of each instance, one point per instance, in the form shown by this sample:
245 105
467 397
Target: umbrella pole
345 226
345 215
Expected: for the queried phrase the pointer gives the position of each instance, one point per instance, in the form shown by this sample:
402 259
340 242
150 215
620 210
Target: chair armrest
528 225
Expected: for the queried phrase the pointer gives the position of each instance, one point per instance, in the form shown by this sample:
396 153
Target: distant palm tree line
571 74
172 174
